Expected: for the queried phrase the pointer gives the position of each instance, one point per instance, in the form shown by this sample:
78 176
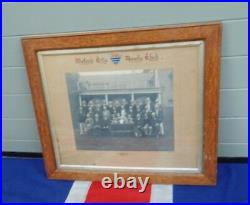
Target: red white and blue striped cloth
83 191
24 180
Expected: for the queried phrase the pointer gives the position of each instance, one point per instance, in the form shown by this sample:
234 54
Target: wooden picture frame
208 33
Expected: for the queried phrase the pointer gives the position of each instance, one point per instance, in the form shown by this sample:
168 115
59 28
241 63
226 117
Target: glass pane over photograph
129 108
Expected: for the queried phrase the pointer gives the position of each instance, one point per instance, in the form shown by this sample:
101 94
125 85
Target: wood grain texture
210 33
234 42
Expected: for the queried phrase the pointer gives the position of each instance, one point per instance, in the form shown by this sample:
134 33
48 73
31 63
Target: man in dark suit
117 106
139 124
155 124
88 123
106 123
150 123
96 125
110 107
84 109
98 109
159 118
138 107
132 112
125 105
81 119
148 106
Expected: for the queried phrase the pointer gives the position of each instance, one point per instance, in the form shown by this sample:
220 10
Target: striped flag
85 191
29 184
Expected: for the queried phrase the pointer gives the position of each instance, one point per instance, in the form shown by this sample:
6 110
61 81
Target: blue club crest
115 58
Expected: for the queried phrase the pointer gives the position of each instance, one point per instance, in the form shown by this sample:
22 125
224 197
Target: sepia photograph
125 110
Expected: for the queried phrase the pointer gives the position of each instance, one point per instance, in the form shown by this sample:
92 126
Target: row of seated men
145 118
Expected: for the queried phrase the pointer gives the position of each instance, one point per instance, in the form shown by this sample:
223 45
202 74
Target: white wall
21 19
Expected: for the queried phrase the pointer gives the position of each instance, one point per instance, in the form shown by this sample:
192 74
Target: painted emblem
115 58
